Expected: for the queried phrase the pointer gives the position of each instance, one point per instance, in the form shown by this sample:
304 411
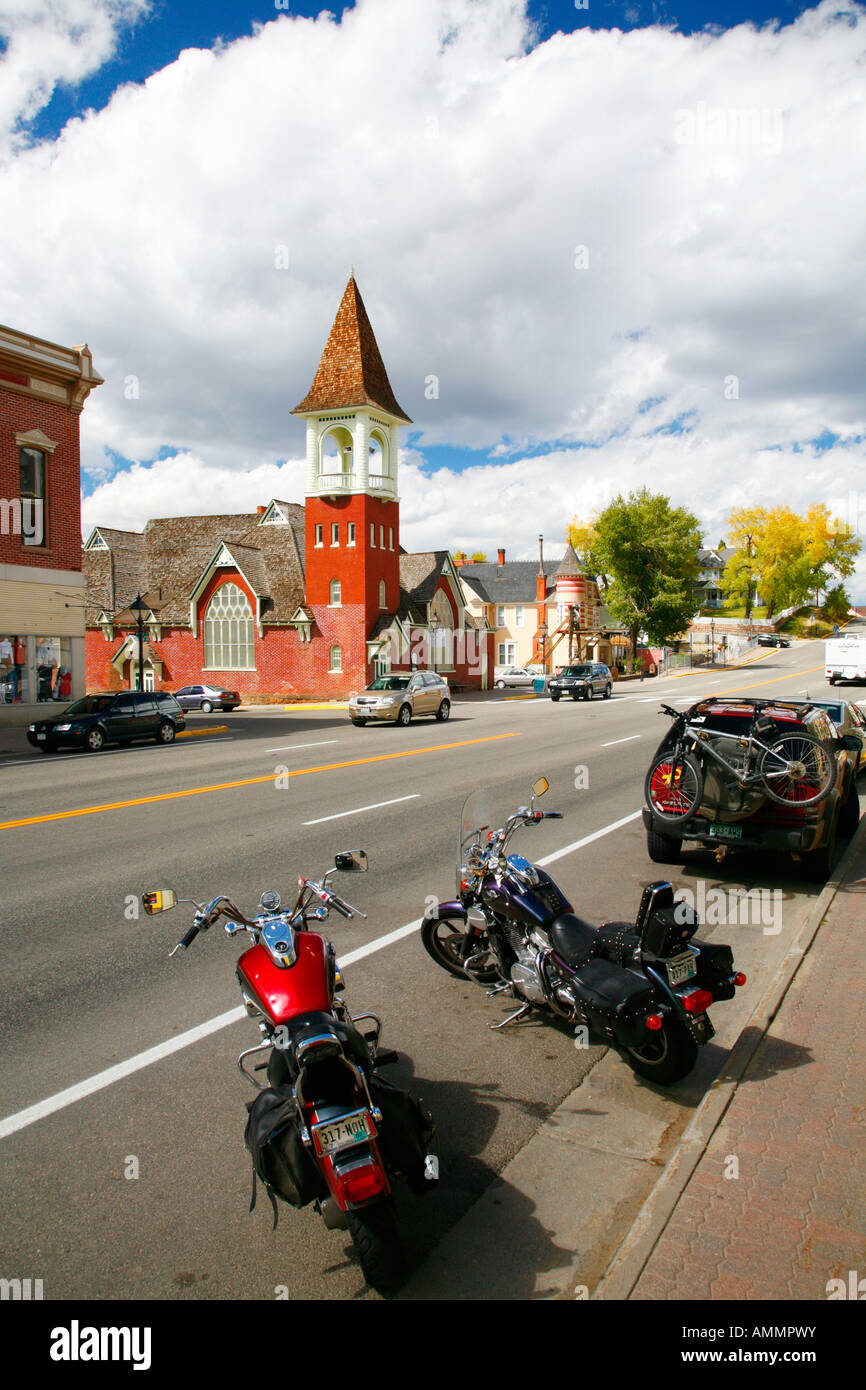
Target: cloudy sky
601 247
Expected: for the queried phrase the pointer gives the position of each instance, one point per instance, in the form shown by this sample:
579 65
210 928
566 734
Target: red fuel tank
282 994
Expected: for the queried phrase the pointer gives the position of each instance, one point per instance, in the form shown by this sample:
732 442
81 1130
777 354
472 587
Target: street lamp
139 608
542 637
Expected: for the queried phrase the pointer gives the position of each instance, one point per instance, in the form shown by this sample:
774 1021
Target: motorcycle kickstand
512 1018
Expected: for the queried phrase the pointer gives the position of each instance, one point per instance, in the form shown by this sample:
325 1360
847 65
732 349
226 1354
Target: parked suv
398 698
583 681
207 697
110 718
743 816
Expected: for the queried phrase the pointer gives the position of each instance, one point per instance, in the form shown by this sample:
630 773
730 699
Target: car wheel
662 849
575 694
165 732
206 706
608 691
553 697
849 816
587 694
500 685
404 715
443 711
359 723
94 740
818 865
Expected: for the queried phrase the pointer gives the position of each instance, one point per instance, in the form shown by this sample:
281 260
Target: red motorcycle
328 1128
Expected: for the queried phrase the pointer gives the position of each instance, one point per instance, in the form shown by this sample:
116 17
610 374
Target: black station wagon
120 717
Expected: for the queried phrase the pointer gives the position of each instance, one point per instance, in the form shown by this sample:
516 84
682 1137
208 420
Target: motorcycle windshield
476 821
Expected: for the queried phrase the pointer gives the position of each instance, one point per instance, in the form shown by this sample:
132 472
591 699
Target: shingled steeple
351 371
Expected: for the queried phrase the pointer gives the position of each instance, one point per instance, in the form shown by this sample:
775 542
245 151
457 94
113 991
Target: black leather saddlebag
615 1001
617 942
280 1159
405 1132
715 968
669 931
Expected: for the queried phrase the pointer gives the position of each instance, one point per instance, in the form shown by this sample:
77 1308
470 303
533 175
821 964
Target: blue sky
624 240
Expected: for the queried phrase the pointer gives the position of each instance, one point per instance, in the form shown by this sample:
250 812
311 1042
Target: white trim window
335 594
336 659
500 617
382 604
507 652
390 537
228 631
372 535
335 533
318 534
351 539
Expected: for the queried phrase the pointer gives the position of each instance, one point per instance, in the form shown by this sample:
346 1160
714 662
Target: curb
627 1265
197 733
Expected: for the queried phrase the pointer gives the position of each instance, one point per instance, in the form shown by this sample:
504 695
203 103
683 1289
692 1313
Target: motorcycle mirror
158 900
353 861
540 787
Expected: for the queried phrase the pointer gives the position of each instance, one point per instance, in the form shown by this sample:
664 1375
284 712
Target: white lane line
615 741
23 1118
587 840
647 699
285 747
375 806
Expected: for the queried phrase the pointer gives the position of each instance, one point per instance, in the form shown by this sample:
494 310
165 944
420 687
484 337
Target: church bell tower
352 526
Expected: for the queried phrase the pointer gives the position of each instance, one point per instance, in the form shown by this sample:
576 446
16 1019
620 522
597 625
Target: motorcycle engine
524 974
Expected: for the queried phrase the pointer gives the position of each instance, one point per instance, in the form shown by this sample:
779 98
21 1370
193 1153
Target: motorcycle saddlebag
615 1001
279 1157
405 1132
670 929
715 968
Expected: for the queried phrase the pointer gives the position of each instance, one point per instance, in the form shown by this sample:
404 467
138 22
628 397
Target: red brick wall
359 568
63 521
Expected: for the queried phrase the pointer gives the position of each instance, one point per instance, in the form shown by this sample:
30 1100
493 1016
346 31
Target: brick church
293 601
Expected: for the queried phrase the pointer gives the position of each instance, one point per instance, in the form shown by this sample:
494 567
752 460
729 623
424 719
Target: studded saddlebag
405 1133
615 1001
715 968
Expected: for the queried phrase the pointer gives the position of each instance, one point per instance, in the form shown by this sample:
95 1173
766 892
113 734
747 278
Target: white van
845 658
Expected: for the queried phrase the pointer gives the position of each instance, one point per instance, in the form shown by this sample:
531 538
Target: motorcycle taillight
360 1180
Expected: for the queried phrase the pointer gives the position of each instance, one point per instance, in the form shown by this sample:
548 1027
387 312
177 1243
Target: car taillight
696 1001
739 978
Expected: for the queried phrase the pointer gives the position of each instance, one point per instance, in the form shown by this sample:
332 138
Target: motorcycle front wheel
449 945
376 1237
667 1056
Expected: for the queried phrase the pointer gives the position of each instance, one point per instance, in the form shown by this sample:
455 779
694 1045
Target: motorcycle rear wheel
667 1056
449 946
376 1237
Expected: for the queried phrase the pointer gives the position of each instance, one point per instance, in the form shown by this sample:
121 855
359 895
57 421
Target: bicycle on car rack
792 768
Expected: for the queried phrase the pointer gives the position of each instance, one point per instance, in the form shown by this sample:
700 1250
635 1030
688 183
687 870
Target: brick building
294 601
43 387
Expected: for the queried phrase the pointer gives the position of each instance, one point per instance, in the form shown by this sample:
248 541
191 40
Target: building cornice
46 371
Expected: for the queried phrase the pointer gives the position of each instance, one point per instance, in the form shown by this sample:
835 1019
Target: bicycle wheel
797 770
673 786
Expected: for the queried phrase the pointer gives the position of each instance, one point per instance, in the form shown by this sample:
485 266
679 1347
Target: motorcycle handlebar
343 910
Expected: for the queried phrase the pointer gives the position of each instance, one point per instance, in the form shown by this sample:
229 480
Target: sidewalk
776 1206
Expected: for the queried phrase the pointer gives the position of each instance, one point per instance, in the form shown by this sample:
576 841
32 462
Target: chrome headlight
62 728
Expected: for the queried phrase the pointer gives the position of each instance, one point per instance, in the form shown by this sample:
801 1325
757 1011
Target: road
140 1189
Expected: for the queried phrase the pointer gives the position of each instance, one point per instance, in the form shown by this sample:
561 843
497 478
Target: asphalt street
87 983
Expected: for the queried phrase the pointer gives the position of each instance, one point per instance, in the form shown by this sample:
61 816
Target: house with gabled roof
293 601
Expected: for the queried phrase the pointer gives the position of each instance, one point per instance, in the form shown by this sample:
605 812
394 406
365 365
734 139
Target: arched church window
228 631
382 603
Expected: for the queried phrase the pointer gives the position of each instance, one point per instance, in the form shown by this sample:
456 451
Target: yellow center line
772 680
248 782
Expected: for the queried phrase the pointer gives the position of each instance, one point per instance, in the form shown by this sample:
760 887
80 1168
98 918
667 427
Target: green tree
747 525
479 557
836 604
583 535
649 550
785 556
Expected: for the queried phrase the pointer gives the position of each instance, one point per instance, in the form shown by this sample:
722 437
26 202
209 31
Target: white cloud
49 42
461 170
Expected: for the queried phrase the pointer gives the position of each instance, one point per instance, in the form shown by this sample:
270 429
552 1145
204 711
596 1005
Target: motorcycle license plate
681 968
331 1135
726 832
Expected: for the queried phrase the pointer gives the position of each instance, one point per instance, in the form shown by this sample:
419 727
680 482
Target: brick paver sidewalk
777 1205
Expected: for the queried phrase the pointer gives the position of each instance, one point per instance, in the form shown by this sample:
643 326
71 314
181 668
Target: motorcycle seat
573 939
